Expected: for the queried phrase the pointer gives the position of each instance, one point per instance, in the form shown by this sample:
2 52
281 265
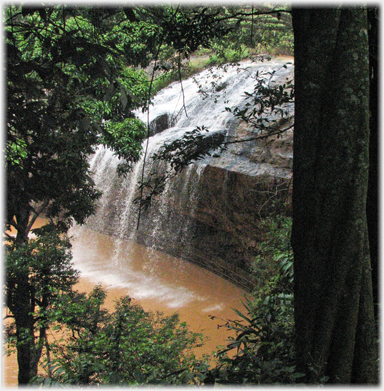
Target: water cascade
207 214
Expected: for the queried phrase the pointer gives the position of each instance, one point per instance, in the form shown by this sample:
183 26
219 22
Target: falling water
205 97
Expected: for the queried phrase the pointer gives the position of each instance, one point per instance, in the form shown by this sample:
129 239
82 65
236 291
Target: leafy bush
36 273
125 138
127 347
264 341
275 253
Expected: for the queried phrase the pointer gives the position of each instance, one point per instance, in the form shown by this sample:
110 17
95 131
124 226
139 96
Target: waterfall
170 223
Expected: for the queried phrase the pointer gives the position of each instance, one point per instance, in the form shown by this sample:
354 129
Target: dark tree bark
372 196
24 331
334 315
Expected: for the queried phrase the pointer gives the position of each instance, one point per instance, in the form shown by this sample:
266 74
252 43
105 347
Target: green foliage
50 75
266 108
16 151
36 273
127 347
264 343
125 137
46 260
192 27
275 252
239 33
253 30
193 146
273 33
264 339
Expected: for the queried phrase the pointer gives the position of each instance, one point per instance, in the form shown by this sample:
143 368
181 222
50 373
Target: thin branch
257 13
148 135
14 223
36 215
174 373
259 137
9 236
181 83
252 28
6 22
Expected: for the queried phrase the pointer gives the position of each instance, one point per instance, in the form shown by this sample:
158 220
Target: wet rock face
234 192
210 213
159 124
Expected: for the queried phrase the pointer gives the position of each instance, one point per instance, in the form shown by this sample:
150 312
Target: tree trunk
336 337
372 195
24 330
23 360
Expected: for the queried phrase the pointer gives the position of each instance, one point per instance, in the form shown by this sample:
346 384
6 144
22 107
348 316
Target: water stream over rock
209 213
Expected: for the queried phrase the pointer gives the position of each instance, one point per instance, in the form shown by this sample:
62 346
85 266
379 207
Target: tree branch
36 214
258 137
